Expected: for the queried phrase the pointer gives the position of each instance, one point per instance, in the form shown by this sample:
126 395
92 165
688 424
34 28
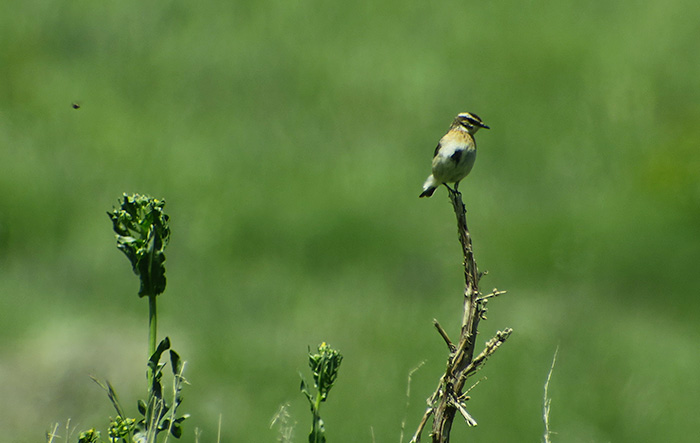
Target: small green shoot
324 366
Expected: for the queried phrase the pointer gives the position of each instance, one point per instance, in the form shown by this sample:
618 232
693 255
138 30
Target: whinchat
455 153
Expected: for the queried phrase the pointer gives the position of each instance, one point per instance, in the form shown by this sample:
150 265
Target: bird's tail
429 187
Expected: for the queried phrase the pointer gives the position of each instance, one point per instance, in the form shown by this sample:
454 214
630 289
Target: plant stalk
449 397
316 431
152 333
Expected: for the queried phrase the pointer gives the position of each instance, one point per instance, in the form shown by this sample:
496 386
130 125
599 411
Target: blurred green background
290 140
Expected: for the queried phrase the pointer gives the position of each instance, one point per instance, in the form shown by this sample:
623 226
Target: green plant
142 233
324 366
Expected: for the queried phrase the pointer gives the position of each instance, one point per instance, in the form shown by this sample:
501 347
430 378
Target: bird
455 153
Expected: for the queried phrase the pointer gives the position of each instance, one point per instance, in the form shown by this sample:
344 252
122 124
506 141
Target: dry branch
448 398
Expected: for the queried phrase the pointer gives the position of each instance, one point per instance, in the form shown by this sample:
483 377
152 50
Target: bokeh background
290 140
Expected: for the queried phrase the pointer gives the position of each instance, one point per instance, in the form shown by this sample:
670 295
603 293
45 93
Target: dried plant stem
408 397
548 401
448 398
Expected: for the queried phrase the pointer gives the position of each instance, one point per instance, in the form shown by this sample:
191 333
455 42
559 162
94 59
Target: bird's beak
484 126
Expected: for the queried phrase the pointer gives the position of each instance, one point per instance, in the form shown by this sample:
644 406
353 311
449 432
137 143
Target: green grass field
290 141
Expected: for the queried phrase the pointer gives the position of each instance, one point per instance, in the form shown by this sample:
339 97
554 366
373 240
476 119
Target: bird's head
469 121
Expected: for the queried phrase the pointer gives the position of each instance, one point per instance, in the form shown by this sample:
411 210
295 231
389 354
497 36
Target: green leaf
176 430
163 346
142 234
305 389
141 405
175 362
